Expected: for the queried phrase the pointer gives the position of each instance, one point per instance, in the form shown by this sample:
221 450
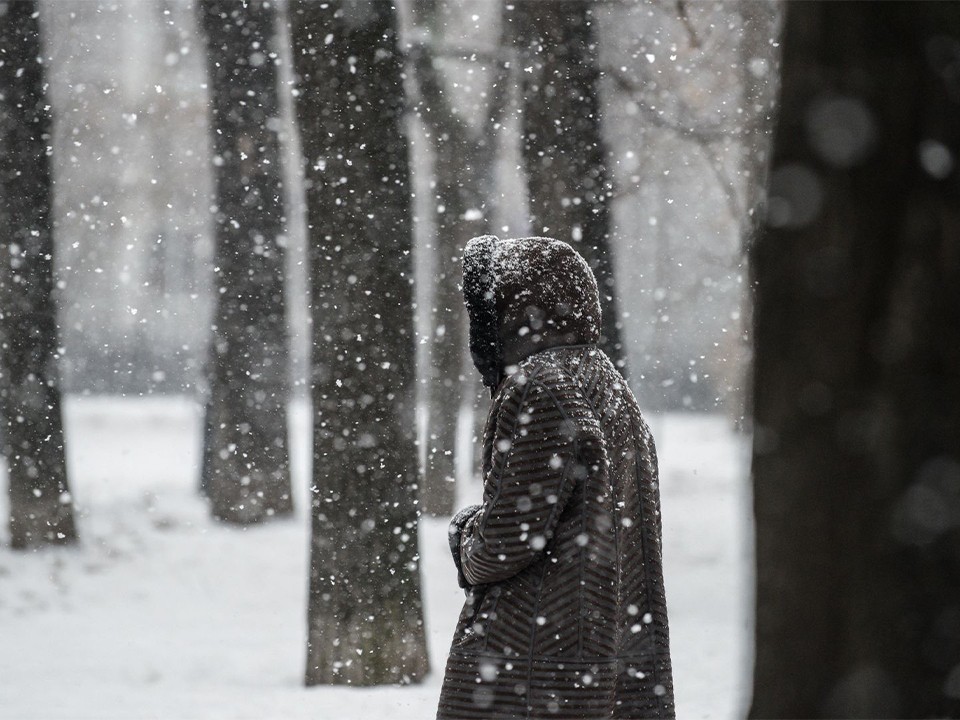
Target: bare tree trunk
365 617
857 393
563 148
246 467
41 508
464 174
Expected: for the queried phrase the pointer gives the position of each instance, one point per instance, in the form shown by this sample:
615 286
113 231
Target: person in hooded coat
565 614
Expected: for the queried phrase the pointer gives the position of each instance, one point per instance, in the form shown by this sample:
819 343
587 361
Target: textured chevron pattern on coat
567 617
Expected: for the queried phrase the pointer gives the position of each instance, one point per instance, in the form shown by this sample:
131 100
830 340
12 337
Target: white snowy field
163 613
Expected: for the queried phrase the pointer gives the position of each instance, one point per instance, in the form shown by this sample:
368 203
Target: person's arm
544 442
454 537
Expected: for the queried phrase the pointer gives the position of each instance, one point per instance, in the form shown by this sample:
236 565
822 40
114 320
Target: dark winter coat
565 614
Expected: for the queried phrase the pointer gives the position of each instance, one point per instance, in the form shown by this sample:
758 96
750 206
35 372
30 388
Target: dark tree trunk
563 148
365 618
41 508
464 174
246 467
857 389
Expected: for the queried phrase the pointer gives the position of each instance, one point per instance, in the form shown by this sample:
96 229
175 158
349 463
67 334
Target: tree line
350 104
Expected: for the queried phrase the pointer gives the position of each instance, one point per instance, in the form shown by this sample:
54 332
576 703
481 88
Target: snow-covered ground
162 613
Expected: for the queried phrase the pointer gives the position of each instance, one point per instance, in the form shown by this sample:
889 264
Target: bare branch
684 18
706 132
729 187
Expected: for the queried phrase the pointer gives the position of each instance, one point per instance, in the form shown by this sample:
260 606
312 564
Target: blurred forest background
132 142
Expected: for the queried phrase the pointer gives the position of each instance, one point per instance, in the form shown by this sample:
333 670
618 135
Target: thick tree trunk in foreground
857 371
246 467
41 508
365 612
563 149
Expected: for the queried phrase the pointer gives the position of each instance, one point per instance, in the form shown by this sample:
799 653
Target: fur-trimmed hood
524 296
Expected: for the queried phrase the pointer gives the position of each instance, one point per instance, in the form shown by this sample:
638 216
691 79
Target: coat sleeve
541 448
455 535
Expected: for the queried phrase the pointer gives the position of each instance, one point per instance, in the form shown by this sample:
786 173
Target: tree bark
41 507
463 165
246 466
856 458
365 617
563 149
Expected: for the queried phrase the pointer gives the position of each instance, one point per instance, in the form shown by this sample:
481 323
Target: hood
524 296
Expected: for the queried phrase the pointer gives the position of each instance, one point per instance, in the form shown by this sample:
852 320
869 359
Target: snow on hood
523 296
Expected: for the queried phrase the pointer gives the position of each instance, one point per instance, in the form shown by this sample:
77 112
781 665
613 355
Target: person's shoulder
545 376
521 379
564 365
542 369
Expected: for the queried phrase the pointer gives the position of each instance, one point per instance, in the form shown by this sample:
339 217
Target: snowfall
163 613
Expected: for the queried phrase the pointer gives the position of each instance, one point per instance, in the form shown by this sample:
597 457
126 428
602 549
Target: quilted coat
565 614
